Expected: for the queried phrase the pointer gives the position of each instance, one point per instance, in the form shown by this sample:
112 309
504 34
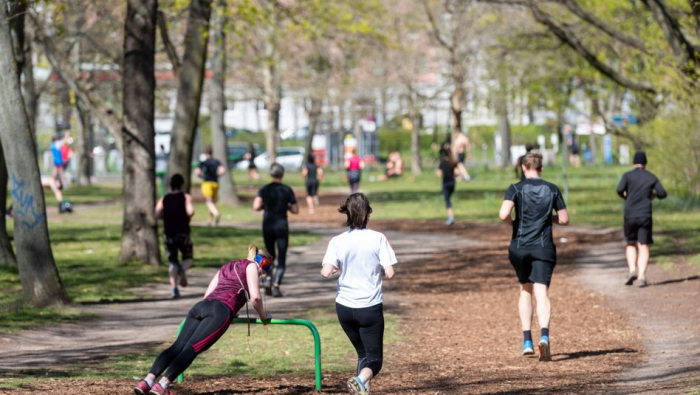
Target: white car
289 157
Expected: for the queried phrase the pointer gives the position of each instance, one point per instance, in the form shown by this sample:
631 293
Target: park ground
452 323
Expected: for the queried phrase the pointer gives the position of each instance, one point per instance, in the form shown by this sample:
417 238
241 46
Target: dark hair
446 154
529 147
276 170
311 159
176 182
533 161
208 150
357 209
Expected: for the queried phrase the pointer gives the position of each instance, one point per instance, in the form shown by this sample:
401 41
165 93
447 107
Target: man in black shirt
176 209
210 169
276 199
532 252
638 187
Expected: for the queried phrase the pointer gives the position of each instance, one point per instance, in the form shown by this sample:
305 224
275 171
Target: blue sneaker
545 352
356 387
528 348
450 221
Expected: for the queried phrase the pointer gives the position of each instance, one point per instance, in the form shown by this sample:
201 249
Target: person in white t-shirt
362 256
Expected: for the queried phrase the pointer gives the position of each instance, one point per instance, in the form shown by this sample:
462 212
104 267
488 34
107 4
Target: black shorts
638 229
312 188
181 243
461 157
533 265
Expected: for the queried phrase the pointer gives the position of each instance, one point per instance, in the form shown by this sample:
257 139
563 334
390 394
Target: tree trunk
189 94
314 118
7 255
83 153
416 167
38 274
272 104
227 187
503 123
140 227
31 100
456 106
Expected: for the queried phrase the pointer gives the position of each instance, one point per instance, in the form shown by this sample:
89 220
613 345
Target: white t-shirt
360 254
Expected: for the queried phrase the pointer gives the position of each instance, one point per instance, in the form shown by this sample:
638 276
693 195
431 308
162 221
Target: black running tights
365 329
281 238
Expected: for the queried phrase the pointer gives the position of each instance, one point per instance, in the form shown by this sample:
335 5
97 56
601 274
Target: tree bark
7 255
314 118
272 104
416 167
140 227
502 115
83 153
189 94
38 274
227 187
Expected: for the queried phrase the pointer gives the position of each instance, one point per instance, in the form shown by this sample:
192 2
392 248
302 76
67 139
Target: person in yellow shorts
210 169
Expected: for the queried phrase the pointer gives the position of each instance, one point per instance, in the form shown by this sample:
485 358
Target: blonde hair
533 161
253 250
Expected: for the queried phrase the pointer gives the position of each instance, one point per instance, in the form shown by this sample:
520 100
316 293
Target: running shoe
159 390
450 221
217 219
631 277
642 283
276 292
267 284
528 348
142 388
356 387
545 352
183 276
176 294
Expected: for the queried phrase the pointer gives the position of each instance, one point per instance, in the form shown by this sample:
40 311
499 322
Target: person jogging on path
313 174
232 287
354 166
252 169
639 187
446 170
363 257
176 209
461 149
532 252
210 170
276 199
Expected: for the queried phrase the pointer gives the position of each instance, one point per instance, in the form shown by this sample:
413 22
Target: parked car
237 151
289 157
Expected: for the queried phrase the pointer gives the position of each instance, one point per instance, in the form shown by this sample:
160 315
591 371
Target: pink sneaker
142 388
159 390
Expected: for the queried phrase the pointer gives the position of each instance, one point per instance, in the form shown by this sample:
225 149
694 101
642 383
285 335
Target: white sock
164 383
149 381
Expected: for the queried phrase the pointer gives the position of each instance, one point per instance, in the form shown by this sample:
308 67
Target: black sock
544 332
527 336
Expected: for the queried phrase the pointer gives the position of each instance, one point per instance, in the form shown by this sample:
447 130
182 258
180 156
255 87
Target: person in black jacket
639 187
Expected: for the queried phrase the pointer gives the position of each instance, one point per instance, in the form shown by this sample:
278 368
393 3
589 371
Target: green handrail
274 321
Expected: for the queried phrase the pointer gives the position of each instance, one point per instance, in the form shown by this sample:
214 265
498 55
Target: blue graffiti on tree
24 205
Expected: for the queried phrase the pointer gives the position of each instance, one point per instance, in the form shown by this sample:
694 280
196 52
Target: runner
639 187
461 149
210 170
276 199
354 166
252 169
446 170
362 256
58 165
231 288
176 210
64 205
313 174
532 252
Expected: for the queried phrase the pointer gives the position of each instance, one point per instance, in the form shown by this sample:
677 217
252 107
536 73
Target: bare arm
159 209
257 203
321 175
328 270
438 173
389 272
189 207
304 172
212 285
294 208
251 274
562 218
221 170
198 172
506 209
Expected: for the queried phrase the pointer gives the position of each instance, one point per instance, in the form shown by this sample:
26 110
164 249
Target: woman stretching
209 319
362 256
447 172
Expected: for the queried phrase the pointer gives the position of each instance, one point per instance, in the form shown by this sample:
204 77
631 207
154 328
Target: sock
527 336
149 381
164 383
544 332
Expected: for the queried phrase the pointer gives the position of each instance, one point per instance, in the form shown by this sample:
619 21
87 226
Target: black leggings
281 238
365 329
448 188
206 322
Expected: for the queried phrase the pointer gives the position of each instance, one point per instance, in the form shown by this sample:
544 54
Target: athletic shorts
210 189
533 265
312 188
638 229
179 243
461 157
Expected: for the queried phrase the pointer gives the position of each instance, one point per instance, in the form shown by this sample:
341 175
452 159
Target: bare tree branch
169 47
436 31
680 44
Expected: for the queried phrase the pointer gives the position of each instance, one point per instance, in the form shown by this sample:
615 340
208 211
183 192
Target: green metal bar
294 321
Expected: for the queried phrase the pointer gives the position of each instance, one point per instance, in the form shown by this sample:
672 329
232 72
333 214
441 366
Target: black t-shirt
311 175
209 169
448 172
175 218
534 201
639 185
276 200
